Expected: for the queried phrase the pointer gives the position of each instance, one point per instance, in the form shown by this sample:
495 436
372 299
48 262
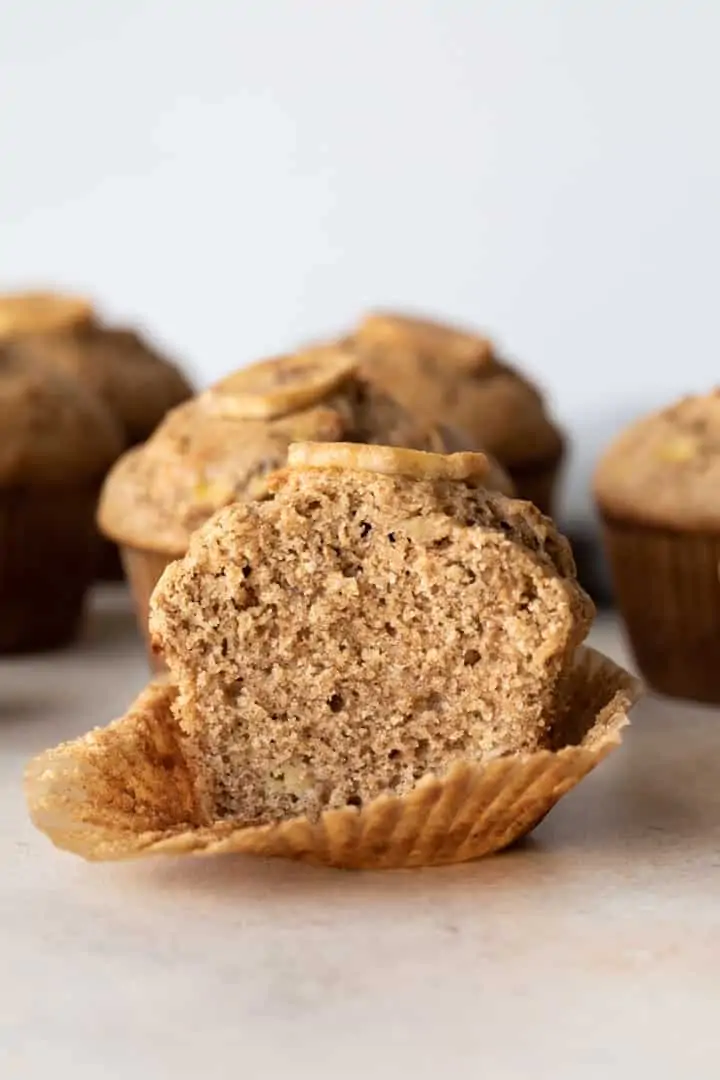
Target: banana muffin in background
222 446
137 384
58 441
657 488
445 375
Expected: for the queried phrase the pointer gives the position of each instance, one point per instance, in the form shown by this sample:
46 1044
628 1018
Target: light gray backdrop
241 175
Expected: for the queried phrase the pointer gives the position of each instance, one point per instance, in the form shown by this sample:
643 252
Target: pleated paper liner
109 563
537 482
667 587
48 556
125 791
143 570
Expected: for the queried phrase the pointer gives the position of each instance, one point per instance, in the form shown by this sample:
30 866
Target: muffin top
137 384
445 375
221 446
54 431
40 312
664 469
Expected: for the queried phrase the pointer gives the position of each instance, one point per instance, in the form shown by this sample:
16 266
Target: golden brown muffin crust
40 312
664 470
445 375
53 430
159 493
138 384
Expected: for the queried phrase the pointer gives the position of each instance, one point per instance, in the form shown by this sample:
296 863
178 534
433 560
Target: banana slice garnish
384 330
389 461
41 313
282 385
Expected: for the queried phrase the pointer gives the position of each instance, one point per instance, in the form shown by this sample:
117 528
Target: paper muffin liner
537 482
48 557
109 564
667 587
143 570
125 791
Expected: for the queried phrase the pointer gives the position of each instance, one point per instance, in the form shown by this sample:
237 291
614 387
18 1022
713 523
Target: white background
243 174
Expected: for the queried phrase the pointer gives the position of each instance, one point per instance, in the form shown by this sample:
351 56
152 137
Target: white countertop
591 951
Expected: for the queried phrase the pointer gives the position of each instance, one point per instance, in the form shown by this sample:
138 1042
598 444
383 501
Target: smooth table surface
593 950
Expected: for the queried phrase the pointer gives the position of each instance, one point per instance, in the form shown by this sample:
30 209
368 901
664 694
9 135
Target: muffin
658 492
289 622
444 375
223 445
58 441
137 384
377 667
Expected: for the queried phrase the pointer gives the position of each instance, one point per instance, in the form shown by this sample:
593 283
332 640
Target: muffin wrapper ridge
48 556
109 563
125 791
143 570
537 482
667 587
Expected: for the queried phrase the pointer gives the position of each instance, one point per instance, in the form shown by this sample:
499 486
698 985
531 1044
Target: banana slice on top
385 330
41 313
282 385
389 461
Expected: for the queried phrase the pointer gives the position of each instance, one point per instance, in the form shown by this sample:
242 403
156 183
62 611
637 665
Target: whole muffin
444 375
58 441
137 383
222 446
658 491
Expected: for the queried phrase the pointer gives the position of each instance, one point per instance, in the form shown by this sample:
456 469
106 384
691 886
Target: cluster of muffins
367 629
371 649
379 664
75 393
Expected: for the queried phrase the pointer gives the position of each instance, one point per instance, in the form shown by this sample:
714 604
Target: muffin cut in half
376 668
369 624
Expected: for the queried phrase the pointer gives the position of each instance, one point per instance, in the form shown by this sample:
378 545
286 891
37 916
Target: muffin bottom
126 791
48 557
143 570
667 588
536 482
110 567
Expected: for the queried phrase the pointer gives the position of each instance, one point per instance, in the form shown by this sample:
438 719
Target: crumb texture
358 632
